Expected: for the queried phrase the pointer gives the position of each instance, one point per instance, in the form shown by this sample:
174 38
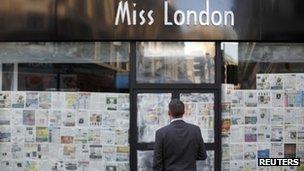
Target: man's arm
201 154
158 152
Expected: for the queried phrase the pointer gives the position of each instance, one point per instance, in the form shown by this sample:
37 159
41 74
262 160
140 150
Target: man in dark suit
178 145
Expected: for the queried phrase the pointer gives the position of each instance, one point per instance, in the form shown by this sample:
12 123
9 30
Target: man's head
176 108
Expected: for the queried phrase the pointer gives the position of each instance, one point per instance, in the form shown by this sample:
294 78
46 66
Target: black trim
133 117
218 107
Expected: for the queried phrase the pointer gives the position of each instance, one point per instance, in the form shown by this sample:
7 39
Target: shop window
65 106
199 110
145 161
262 104
175 62
82 66
152 113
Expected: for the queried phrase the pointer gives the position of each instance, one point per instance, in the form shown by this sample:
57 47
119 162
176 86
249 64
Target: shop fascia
204 17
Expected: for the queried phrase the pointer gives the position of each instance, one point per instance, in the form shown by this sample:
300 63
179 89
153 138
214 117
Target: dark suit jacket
177 147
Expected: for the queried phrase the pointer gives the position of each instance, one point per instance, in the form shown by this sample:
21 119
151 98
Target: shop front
91 105
79 91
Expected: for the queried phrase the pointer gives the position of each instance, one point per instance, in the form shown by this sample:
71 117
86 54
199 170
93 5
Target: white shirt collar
176 119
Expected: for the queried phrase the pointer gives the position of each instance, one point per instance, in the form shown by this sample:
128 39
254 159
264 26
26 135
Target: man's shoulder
192 126
163 129
168 127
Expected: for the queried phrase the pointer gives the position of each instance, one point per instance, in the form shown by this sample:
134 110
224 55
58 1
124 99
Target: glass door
166 70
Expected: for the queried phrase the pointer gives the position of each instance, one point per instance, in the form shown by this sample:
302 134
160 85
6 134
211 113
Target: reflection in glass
152 114
199 110
243 61
175 62
72 66
145 161
268 78
64 52
206 165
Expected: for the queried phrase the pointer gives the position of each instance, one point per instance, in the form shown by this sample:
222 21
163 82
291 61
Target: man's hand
201 154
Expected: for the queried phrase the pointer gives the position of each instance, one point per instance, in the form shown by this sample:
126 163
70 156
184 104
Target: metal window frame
175 89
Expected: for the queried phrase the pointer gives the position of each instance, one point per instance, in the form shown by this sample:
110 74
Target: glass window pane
44 125
175 62
206 165
262 113
152 114
55 105
200 111
7 76
243 61
64 52
145 161
72 66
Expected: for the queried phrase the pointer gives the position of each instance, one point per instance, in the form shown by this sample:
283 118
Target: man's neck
176 119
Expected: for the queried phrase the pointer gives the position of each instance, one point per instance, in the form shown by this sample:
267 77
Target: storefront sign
204 17
250 20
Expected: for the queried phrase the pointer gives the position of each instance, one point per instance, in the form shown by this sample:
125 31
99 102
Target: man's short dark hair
177 108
